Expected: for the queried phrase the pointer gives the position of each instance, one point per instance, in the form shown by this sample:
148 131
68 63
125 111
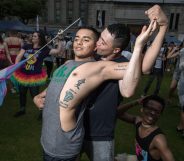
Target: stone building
99 13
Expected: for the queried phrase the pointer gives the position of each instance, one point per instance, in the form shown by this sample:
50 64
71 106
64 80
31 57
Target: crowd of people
31 75
81 104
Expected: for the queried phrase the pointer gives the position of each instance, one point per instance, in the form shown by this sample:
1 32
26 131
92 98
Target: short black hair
121 35
96 33
154 98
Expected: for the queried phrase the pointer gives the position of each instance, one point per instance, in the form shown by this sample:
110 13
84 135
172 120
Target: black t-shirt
100 115
33 65
143 144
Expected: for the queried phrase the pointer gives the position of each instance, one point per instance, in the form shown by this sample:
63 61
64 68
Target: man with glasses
150 144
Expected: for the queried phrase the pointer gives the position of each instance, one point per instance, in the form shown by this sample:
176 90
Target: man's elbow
146 71
128 94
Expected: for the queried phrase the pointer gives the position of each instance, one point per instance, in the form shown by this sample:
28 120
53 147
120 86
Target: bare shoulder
160 141
67 61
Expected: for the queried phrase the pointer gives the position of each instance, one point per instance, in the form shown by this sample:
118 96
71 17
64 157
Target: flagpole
37 23
60 32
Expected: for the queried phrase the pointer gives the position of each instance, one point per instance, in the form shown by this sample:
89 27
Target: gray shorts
99 150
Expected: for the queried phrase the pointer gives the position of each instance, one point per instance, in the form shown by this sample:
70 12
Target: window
177 21
57 11
100 18
174 21
171 21
69 11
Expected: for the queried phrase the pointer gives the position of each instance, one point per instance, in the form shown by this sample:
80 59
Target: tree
23 9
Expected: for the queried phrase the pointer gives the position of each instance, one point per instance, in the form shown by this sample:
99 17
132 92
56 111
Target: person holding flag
6 73
31 75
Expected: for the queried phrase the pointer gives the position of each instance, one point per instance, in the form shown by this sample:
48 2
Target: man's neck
111 57
146 126
36 45
84 59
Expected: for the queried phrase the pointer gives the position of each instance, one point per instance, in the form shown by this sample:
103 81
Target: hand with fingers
39 100
145 34
157 13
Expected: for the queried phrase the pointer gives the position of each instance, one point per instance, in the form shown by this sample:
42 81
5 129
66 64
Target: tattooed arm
81 81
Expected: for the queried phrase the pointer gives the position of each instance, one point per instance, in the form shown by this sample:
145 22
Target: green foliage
24 9
20 137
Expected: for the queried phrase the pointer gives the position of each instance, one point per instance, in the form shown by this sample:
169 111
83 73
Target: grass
20 137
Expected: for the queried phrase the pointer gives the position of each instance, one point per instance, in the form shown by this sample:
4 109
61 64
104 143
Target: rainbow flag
4 75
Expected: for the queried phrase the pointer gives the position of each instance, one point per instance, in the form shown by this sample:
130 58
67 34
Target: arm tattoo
69 96
62 104
121 67
80 82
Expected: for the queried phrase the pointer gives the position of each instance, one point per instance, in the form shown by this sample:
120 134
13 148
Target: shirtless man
62 131
151 143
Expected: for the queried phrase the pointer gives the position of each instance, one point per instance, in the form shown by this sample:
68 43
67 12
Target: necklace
146 126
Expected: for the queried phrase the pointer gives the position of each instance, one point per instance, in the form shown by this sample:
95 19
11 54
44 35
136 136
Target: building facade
99 13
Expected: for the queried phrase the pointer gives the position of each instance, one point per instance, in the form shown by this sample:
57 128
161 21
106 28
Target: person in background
157 72
27 39
150 142
31 75
170 62
14 44
69 51
180 66
49 60
5 59
174 53
61 57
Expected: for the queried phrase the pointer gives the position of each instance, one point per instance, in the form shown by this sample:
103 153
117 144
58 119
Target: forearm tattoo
70 94
68 97
62 104
80 82
120 67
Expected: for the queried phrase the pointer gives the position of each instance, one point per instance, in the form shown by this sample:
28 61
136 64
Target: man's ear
116 50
